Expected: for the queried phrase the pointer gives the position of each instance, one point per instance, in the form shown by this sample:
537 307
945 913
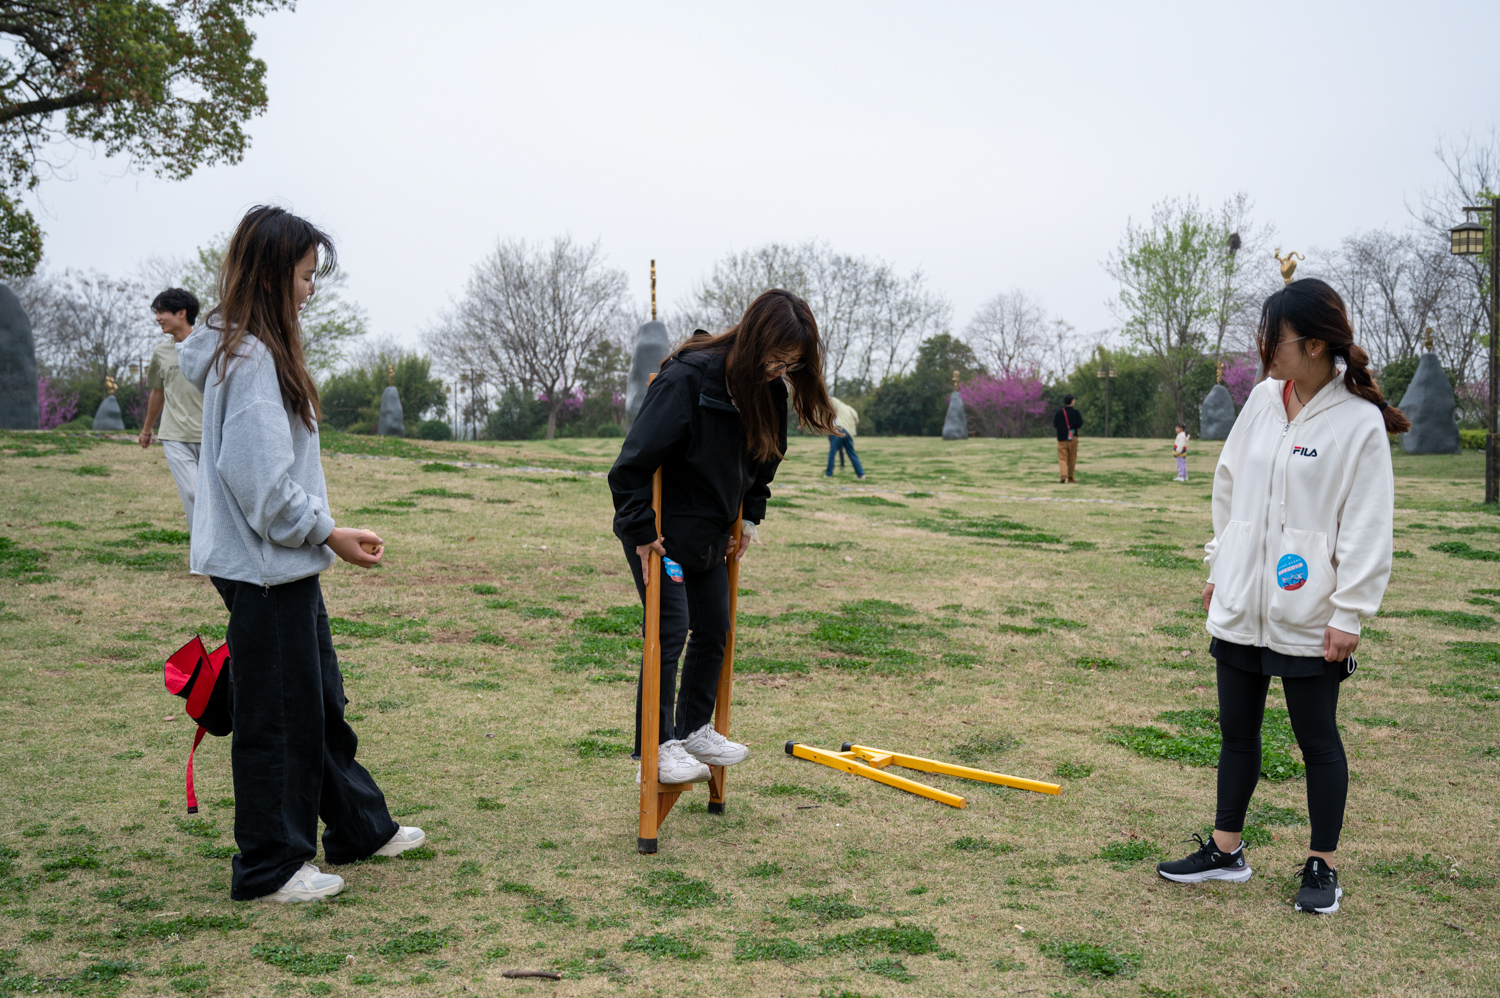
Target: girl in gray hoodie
262 533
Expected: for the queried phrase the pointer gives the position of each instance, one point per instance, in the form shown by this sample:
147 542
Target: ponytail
1358 380
1316 312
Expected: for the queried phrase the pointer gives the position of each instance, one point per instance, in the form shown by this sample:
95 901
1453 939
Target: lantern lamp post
1468 239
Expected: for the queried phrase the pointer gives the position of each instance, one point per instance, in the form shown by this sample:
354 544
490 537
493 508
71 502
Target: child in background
1179 451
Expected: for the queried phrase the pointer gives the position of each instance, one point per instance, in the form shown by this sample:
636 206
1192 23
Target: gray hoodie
262 509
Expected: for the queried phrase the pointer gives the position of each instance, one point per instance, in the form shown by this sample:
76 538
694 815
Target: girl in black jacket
715 422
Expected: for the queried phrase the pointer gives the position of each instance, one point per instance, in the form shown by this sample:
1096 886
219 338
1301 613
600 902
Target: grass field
958 603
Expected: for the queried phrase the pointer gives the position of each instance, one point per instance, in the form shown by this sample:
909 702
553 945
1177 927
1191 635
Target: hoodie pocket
1231 568
1302 596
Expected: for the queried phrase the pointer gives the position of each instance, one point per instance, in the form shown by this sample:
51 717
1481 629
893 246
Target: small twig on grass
545 974
1457 928
807 807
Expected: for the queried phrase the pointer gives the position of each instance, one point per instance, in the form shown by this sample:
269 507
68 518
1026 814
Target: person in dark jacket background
715 421
1067 422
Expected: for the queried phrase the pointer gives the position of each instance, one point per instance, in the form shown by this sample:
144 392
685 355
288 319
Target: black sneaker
1208 863
1320 891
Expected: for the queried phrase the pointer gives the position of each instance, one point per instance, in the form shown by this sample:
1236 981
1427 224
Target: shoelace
1321 877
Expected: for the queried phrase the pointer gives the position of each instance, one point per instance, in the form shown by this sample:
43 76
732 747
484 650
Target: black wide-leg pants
696 606
292 751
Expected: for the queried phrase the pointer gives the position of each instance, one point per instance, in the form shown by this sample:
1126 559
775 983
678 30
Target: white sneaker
713 749
675 765
307 884
406 837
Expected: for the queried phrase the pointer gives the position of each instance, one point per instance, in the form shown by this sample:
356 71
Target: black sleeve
661 426
1077 418
765 471
1059 423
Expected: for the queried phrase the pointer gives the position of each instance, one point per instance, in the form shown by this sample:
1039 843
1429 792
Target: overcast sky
991 145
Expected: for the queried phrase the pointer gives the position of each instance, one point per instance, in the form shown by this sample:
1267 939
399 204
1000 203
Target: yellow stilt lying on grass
861 760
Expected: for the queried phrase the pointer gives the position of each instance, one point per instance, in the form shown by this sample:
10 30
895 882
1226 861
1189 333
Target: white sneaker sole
1232 876
702 776
294 897
1338 892
720 760
397 848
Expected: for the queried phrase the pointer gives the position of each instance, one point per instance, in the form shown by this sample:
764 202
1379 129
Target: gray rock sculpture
1429 404
1216 415
107 417
18 402
651 348
956 426
392 423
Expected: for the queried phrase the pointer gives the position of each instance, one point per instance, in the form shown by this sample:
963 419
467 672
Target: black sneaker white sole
1232 876
1338 892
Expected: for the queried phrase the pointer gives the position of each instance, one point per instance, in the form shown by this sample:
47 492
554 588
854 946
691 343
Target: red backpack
202 679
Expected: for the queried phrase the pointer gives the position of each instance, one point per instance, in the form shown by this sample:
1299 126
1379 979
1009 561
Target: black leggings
699 605
1313 705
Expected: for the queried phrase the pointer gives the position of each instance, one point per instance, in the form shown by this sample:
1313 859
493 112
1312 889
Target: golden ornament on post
1288 264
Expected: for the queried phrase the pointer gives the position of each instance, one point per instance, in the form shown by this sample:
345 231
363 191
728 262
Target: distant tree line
538 344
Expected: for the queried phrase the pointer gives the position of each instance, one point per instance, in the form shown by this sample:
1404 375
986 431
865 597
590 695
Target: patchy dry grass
957 604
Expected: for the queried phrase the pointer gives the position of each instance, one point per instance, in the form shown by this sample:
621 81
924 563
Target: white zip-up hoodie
1302 520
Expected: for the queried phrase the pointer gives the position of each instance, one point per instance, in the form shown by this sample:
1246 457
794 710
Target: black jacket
1065 418
689 428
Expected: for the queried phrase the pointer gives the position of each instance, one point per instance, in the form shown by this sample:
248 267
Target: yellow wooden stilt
870 763
881 757
846 762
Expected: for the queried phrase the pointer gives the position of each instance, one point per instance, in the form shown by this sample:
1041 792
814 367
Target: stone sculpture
956 426
392 423
107 416
1216 415
1429 404
18 401
651 348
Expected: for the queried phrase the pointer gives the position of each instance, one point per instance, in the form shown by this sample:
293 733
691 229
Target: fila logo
1305 451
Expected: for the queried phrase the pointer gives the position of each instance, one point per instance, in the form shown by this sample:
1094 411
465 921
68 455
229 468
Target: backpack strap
192 798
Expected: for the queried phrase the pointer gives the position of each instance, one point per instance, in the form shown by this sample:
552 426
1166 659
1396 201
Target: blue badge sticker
674 570
1291 572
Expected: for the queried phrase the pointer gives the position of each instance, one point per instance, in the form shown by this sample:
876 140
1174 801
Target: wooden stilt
725 696
654 803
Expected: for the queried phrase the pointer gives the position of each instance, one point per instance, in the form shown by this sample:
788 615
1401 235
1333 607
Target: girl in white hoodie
1303 503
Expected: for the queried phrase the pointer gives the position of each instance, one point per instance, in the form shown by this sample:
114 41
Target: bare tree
1008 333
869 317
89 324
901 314
1396 286
1242 265
530 316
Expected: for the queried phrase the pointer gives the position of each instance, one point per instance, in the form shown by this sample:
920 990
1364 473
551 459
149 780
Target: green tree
351 399
331 323
1134 393
167 83
1172 278
916 404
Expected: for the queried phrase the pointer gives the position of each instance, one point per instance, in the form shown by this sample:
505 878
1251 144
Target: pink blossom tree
1240 375
1001 407
53 407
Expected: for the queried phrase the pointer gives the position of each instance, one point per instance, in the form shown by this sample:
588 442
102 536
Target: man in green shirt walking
173 398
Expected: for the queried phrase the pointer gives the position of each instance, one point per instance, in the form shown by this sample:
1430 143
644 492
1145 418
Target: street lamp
1468 239
1107 373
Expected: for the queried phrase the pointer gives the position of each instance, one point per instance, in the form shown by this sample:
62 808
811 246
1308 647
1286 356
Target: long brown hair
776 321
256 298
1312 309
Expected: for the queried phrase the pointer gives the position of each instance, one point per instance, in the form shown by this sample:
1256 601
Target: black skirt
1267 662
